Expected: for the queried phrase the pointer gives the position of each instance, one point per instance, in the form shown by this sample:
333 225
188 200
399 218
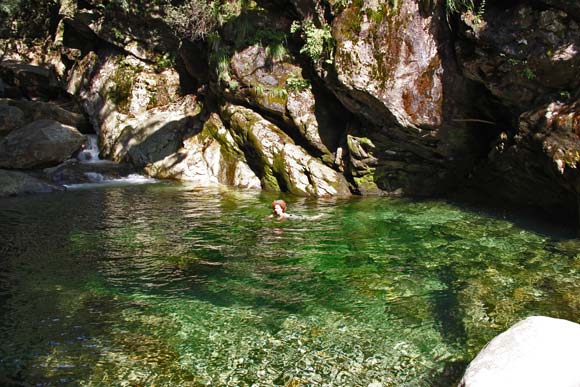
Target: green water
163 285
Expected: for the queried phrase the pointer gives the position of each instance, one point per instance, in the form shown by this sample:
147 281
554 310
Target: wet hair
280 203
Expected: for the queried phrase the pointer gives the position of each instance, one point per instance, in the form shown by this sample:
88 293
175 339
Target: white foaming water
96 179
91 152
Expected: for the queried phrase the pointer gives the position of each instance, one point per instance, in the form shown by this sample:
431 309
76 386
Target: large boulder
393 68
538 165
10 118
280 164
536 352
14 183
387 63
40 143
32 81
276 87
153 135
207 158
123 94
38 110
521 54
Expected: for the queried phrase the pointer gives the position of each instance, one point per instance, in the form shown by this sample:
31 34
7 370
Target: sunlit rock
393 68
153 135
119 92
280 164
387 59
209 157
536 352
40 143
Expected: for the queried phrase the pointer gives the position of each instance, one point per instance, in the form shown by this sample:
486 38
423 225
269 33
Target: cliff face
329 97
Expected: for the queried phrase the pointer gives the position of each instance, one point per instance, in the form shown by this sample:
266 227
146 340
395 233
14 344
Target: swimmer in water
279 210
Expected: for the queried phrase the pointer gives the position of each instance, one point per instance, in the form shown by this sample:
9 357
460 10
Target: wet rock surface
16 183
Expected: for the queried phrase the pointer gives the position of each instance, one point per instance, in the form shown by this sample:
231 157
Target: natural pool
165 285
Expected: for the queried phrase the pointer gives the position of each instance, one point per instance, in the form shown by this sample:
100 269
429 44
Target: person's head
279 207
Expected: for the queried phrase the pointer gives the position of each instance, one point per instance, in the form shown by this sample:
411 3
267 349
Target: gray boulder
33 81
38 110
536 352
40 143
13 183
10 118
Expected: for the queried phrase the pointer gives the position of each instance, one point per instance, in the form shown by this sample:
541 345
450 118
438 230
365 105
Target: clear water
159 285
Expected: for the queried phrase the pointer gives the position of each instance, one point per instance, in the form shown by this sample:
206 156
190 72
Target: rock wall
326 98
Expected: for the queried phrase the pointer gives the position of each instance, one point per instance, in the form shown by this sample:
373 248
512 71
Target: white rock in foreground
538 351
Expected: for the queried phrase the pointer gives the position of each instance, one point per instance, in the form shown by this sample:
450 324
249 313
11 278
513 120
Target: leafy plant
460 6
164 61
297 83
528 73
123 81
318 42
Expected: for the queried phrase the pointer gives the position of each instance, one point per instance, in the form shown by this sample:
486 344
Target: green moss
348 24
366 182
123 80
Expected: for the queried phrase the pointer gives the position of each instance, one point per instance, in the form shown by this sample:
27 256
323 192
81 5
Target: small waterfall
91 152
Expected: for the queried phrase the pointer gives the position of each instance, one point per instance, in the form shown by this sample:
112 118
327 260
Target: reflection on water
162 285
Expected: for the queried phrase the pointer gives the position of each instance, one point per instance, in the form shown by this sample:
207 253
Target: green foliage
525 71
338 5
565 95
276 51
528 73
117 34
269 92
164 61
27 18
297 83
123 81
318 42
459 6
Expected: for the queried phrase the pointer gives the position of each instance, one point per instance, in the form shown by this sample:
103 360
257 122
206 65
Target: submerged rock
536 352
14 183
38 144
